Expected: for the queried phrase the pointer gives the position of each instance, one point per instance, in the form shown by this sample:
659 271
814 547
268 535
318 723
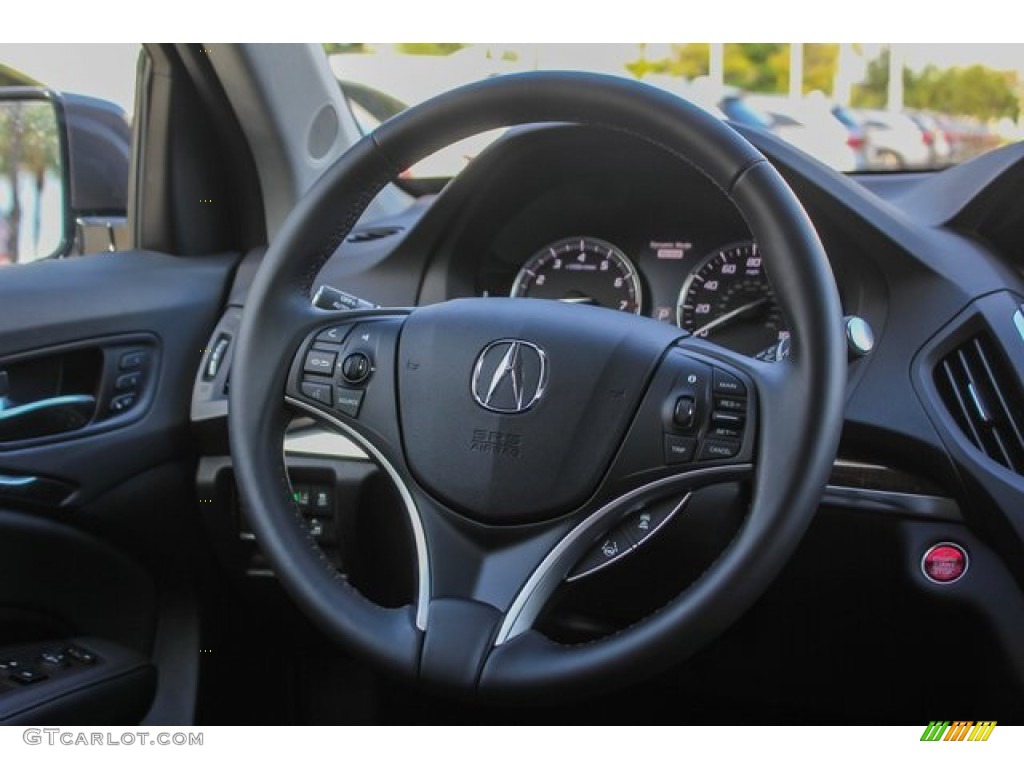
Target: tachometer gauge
581 270
728 300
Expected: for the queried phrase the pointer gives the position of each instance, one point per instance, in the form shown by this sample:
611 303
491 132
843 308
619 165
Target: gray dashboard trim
906 504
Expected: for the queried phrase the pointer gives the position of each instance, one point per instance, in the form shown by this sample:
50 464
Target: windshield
857 107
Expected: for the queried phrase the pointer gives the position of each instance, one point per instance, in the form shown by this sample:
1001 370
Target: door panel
113 303
98 532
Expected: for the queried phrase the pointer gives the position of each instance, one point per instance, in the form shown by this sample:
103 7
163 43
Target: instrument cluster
721 293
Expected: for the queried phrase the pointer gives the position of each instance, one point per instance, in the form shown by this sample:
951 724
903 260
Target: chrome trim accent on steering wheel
553 568
411 510
314 440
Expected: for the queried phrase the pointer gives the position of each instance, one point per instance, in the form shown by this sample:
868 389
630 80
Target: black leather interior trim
115 691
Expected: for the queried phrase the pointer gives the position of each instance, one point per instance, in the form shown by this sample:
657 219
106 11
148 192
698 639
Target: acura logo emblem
509 376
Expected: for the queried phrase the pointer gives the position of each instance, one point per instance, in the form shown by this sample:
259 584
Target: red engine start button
944 563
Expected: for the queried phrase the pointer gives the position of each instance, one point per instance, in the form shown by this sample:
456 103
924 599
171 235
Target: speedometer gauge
727 299
581 270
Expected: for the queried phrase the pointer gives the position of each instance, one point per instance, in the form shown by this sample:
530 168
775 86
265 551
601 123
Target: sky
108 70
529 20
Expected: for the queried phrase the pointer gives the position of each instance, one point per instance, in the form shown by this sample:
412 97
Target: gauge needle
578 300
718 321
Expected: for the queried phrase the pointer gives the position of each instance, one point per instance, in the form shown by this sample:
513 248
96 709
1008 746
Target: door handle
34 491
46 417
8 481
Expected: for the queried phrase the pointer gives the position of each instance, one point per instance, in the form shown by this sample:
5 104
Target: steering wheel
526 437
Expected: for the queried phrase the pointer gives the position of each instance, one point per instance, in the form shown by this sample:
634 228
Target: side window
47 209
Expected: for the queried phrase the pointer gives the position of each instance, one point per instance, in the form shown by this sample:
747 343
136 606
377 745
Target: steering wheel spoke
475 573
697 425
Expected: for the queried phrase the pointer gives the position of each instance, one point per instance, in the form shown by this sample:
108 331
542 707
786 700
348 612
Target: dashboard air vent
984 397
372 233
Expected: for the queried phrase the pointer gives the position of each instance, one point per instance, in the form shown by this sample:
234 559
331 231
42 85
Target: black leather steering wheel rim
800 418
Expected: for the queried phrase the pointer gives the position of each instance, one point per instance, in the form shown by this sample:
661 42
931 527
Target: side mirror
100 144
36 221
